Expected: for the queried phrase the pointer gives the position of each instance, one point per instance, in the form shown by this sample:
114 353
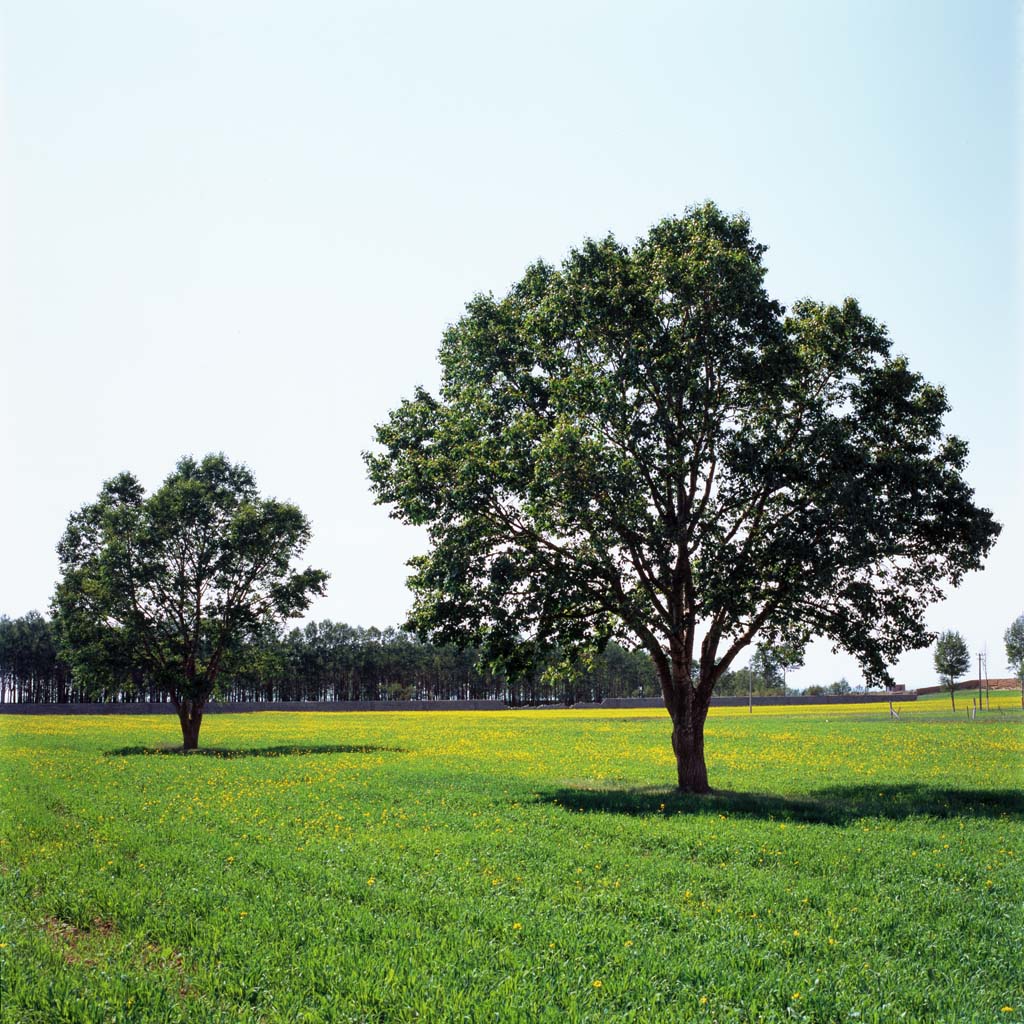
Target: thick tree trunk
688 707
688 744
190 714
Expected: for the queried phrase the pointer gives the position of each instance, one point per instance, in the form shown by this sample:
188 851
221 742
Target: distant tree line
30 670
332 661
836 689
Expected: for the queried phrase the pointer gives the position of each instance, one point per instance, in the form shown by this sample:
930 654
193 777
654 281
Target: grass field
514 866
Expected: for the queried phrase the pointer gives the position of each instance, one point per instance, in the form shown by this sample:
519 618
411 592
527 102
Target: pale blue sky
244 226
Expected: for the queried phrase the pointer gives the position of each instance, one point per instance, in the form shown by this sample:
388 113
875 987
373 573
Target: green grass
513 866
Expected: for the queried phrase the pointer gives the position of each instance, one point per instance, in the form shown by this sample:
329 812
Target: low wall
739 701
213 708
973 684
143 708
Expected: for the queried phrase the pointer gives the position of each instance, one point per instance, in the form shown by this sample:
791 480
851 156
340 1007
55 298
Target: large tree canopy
169 591
642 444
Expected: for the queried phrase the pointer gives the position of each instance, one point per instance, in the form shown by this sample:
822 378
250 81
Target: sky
243 227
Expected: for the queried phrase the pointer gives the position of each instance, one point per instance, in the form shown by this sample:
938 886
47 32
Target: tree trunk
952 696
687 705
688 744
190 713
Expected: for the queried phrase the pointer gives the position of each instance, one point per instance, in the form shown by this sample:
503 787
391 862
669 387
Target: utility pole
988 689
981 657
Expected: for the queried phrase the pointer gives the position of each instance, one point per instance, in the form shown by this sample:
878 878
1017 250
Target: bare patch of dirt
158 958
80 946
90 946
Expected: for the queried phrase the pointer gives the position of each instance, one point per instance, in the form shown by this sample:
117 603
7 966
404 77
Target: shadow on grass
837 805
284 750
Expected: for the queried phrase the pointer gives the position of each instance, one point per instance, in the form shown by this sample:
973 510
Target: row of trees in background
330 661
30 669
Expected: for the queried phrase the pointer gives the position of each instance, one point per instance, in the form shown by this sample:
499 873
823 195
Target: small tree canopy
171 590
774 660
952 657
1013 638
952 660
643 444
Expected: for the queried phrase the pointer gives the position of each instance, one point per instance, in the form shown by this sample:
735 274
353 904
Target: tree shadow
283 750
836 805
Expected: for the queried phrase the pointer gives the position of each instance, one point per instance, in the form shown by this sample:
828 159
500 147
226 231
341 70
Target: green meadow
513 866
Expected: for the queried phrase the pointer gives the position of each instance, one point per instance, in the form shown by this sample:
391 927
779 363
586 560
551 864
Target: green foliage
171 591
30 669
1013 638
773 661
515 859
952 657
837 689
643 445
750 679
331 661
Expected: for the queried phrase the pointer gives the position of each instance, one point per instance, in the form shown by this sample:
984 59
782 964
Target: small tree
774 661
171 592
952 660
1014 640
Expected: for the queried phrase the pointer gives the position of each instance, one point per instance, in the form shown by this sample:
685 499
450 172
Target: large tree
642 444
952 660
172 591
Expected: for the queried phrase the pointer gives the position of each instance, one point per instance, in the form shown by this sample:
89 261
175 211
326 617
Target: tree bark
688 744
688 707
190 714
